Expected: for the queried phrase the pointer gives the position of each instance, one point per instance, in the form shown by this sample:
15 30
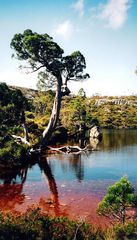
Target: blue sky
105 31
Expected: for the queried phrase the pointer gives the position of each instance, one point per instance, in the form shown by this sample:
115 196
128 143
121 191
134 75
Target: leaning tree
39 51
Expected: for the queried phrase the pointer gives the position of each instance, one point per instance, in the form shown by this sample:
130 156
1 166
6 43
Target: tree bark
123 215
25 128
26 136
54 115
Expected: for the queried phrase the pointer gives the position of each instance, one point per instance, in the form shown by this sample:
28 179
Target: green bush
11 153
123 232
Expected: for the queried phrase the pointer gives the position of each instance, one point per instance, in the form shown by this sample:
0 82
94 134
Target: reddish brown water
62 202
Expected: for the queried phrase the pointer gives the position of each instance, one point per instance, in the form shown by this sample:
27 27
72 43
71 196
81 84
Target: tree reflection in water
11 188
116 139
69 163
11 191
77 166
45 168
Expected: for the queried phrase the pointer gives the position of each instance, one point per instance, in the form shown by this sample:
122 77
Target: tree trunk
54 115
123 215
26 136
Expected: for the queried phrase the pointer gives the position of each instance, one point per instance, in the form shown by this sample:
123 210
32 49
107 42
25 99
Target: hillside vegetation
108 111
114 112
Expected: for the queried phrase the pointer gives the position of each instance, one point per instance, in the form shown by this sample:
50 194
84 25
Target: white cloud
79 7
64 30
114 12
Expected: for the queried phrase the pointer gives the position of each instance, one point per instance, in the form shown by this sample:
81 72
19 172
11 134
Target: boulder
95 132
94 143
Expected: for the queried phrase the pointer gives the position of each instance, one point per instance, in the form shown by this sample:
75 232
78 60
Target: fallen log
68 149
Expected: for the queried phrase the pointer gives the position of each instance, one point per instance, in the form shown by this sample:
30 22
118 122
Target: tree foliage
40 51
75 115
12 107
119 198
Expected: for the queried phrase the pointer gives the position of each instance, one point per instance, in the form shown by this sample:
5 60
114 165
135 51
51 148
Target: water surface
72 184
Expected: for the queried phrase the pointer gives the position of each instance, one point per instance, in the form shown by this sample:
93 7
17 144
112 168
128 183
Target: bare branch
36 69
20 140
68 149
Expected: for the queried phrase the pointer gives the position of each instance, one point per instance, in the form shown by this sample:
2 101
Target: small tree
81 93
118 200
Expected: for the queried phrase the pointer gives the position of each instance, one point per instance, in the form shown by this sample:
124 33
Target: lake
72 184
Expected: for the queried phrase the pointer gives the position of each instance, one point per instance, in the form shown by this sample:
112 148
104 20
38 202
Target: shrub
117 201
123 232
35 225
11 153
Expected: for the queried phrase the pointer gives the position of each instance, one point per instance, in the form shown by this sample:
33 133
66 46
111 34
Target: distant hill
27 92
99 100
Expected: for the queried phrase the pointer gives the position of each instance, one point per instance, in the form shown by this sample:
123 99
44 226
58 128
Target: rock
115 101
95 132
94 143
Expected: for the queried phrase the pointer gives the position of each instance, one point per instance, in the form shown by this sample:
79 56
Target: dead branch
20 140
78 227
69 149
